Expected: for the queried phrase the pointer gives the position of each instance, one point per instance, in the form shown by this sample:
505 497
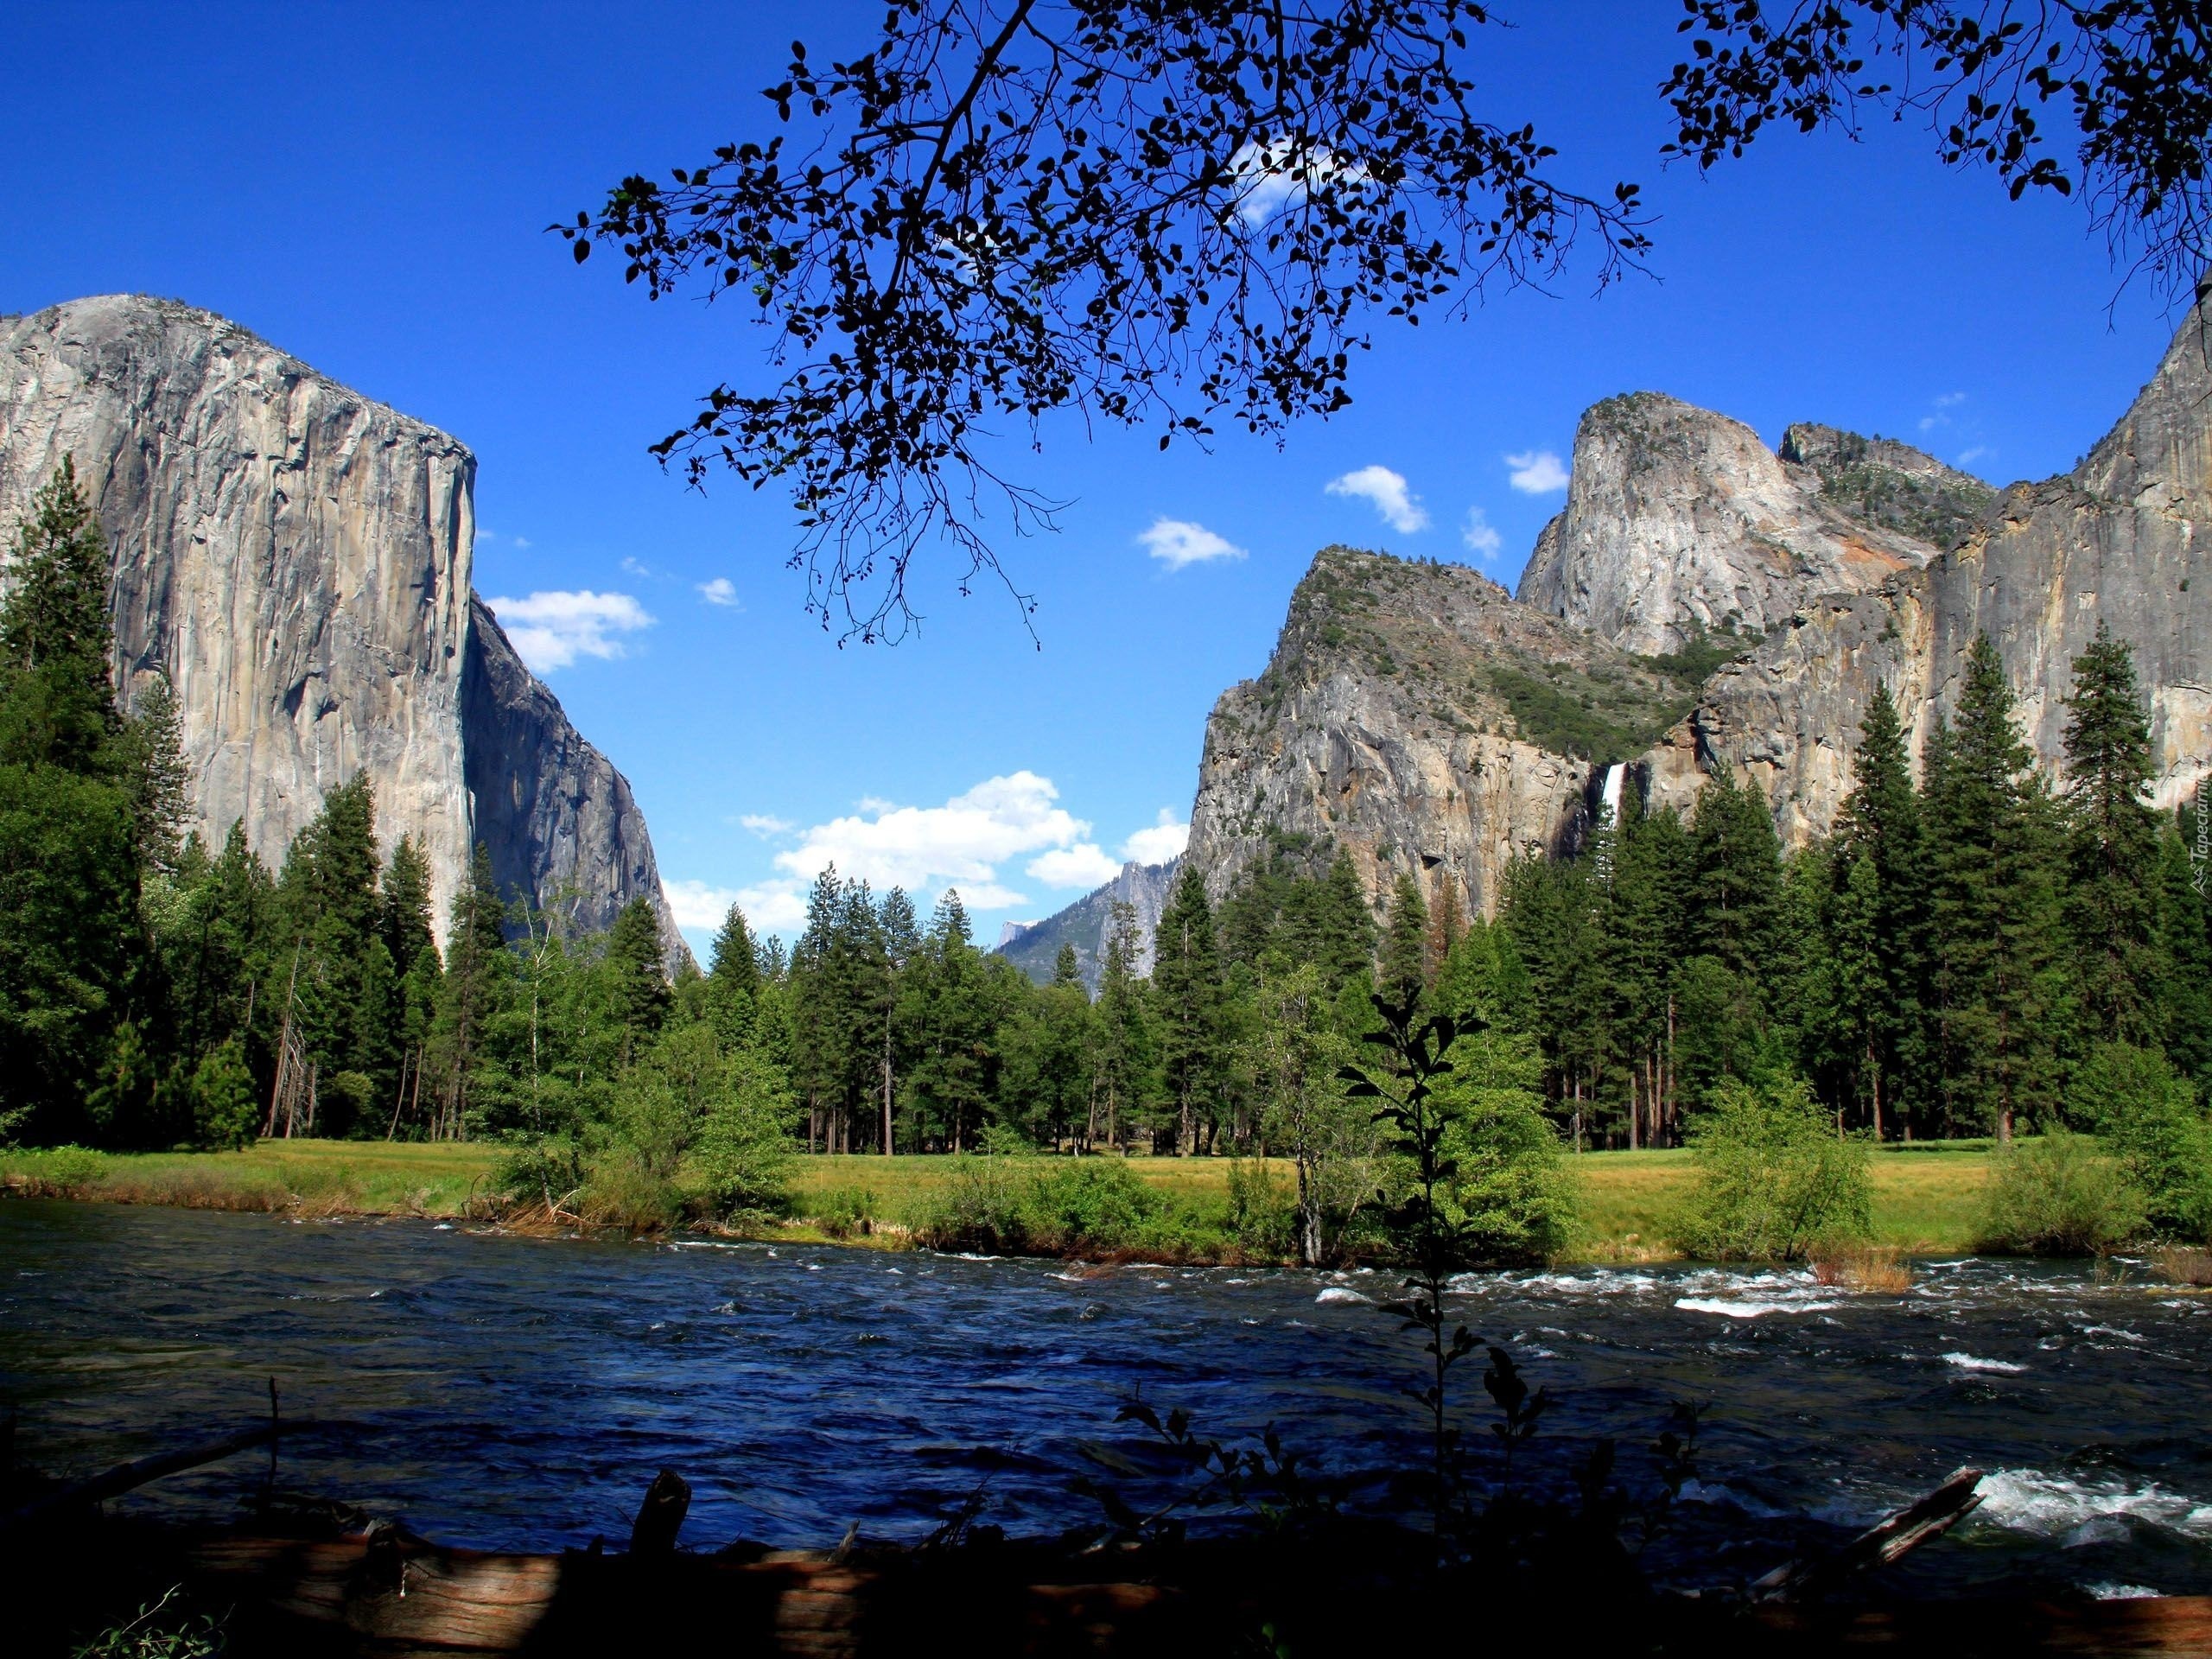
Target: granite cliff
1704 602
2124 540
1035 948
1680 523
1417 716
296 559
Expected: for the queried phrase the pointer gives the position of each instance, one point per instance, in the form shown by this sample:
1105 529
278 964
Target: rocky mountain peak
1883 482
1680 523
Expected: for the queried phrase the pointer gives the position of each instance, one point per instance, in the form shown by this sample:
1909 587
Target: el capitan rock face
296 557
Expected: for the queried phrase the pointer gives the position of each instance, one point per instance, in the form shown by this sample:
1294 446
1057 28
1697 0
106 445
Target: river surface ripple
521 1392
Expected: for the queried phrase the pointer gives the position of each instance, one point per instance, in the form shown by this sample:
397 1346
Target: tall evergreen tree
73 957
1186 985
1067 970
1878 915
1736 878
477 967
638 992
1995 907
2112 846
1403 969
1124 1048
2185 941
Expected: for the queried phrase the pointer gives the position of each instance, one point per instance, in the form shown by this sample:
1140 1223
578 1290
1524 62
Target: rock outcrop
1418 717
1680 523
295 558
558 820
2124 541
1035 948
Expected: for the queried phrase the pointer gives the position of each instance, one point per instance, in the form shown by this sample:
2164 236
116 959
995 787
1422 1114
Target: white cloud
1480 536
1164 839
1176 542
1979 452
520 541
1537 472
1080 866
1400 508
696 905
1273 176
636 567
962 844
720 591
551 630
1950 400
923 847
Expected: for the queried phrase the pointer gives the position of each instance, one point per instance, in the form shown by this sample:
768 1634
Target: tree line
1945 963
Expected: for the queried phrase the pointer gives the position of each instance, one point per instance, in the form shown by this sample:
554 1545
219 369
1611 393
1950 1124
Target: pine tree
1342 939
1067 970
637 978
404 910
1735 880
160 776
1996 910
733 987
2185 940
1186 985
1878 917
1126 1048
56 644
471 995
1403 968
74 961
2112 845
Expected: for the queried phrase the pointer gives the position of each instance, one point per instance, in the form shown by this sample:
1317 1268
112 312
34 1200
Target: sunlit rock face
295 558
1403 717
2121 540
1680 522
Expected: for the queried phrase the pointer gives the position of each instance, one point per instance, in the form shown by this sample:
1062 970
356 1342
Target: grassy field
1927 1197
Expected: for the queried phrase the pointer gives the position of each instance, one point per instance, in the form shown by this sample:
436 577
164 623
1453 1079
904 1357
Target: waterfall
1609 795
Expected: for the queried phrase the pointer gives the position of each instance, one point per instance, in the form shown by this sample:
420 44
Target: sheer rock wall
296 557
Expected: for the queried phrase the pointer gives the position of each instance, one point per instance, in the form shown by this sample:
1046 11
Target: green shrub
743 1149
1088 1207
56 1172
1774 1180
1509 1192
546 1170
1262 1217
977 1207
2059 1195
224 1113
845 1211
2150 1120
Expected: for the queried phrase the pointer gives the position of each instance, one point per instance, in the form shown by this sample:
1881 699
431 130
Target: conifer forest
1975 951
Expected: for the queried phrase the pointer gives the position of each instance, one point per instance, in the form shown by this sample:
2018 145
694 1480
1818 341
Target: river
521 1392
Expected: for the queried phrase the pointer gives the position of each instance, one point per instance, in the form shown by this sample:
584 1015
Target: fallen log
1805 1579
126 1477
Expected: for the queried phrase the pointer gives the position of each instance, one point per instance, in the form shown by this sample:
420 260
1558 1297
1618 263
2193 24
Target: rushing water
522 1392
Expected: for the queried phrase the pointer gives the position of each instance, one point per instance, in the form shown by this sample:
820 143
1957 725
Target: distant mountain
1035 948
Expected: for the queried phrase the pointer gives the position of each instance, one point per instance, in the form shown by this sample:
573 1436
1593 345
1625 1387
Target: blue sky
368 188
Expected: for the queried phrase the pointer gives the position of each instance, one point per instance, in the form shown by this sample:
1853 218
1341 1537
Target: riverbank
1928 1197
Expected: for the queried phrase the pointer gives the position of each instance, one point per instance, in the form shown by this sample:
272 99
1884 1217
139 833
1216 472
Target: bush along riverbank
1930 1201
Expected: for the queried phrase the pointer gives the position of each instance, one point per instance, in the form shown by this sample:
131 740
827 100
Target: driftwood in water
125 1476
1805 1578
660 1518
